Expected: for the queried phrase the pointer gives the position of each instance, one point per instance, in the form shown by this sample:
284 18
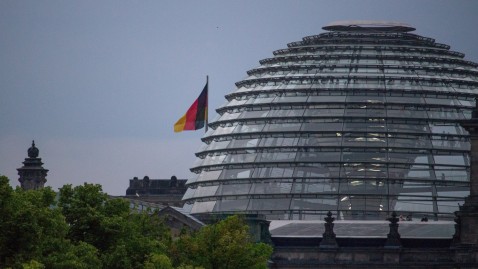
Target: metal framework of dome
361 121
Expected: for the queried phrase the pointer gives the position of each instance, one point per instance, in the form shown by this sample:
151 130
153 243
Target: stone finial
173 182
328 237
393 237
33 151
456 237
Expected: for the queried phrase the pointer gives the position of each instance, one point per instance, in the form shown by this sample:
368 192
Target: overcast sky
99 84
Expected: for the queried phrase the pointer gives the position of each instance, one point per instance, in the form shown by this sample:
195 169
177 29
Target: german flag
196 116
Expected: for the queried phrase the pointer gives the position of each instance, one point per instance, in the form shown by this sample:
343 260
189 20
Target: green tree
87 229
124 239
33 232
226 244
158 261
33 265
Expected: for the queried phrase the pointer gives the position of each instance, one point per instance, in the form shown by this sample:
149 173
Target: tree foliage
226 244
81 227
33 232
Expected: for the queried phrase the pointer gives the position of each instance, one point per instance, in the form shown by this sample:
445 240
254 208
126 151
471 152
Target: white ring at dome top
364 25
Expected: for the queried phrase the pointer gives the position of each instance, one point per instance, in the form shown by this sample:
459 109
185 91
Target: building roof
363 229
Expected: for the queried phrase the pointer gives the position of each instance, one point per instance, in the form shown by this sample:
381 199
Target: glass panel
212 160
234 189
249 128
451 159
203 207
317 171
271 188
324 186
241 158
235 102
356 186
327 99
366 99
264 100
286 113
406 113
453 191
443 114
318 156
198 162
420 172
291 99
218 145
277 157
203 191
443 129
320 141
324 204
369 126
408 128
350 112
243 89
223 130
273 172
192 179
269 204
419 142
282 127
363 171
231 205
441 102
412 204
452 173
322 126
279 142
244 143
189 193
235 173
366 112
209 175
364 157
187 207
364 140
202 147
324 112
253 114
229 116
449 206
451 143
409 158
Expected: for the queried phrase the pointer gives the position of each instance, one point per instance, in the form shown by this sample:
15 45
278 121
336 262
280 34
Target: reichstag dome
362 120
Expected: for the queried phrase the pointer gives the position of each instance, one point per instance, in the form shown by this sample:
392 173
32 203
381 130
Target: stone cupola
32 174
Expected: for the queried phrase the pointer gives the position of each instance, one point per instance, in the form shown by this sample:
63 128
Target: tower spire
32 174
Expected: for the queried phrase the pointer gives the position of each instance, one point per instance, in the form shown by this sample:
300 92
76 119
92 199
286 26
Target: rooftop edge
368 25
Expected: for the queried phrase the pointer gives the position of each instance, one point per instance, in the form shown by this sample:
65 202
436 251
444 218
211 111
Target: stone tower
32 174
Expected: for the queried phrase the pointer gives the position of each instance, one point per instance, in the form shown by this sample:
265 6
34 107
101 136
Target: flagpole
207 102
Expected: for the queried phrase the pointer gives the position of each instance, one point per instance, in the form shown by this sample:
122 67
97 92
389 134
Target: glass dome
361 121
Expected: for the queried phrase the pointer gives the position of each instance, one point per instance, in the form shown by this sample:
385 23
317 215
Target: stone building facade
166 192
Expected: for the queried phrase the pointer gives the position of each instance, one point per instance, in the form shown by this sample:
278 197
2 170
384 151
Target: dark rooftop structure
167 192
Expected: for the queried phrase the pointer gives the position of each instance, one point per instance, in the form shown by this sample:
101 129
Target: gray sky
99 84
